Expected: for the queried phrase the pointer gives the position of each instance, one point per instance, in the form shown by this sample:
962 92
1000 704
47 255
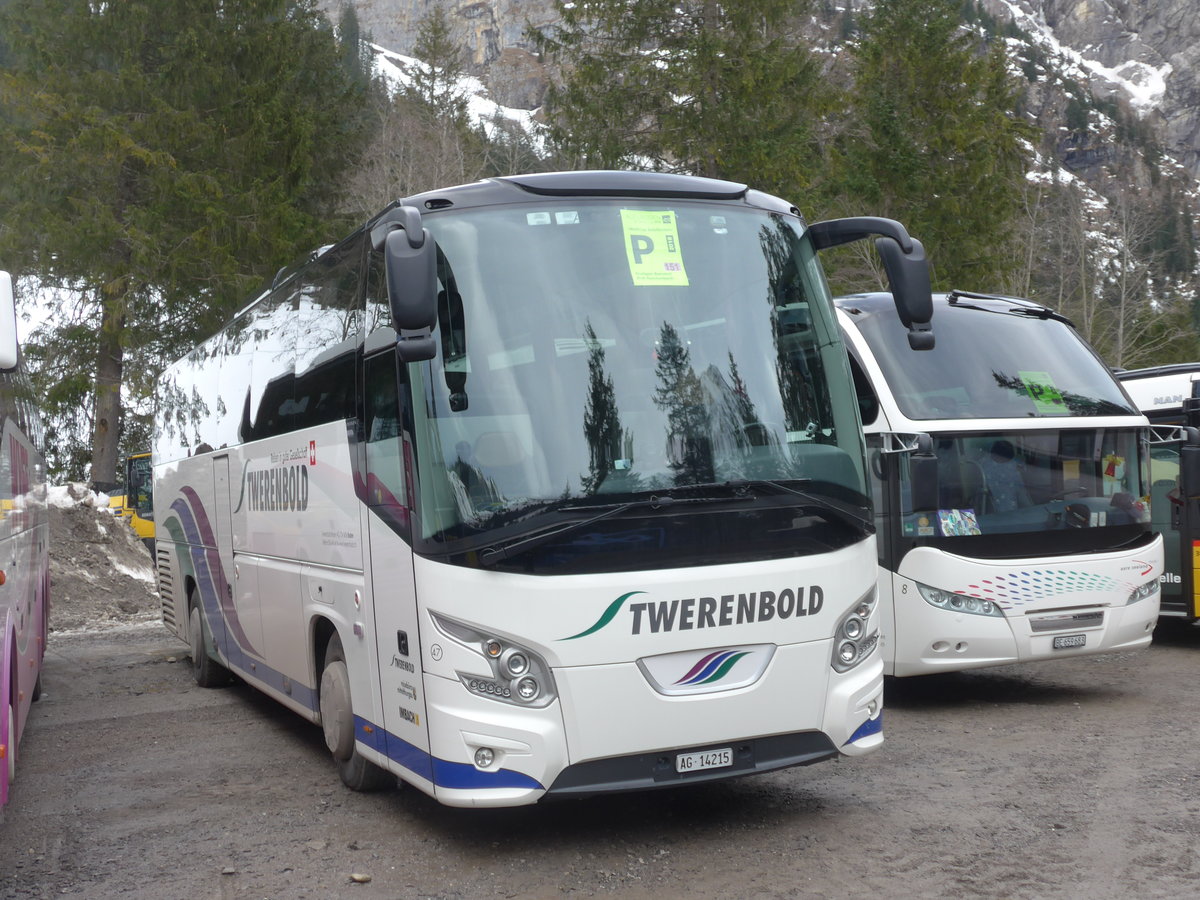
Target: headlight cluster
960 603
1142 591
518 675
856 635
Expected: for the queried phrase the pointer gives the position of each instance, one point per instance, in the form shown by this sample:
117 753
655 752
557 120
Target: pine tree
935 140
725 90
163 159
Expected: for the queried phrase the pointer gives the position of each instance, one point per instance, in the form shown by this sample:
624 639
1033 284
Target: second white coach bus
1011 486
543 485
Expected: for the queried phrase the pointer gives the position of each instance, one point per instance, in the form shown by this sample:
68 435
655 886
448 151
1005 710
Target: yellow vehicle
137 504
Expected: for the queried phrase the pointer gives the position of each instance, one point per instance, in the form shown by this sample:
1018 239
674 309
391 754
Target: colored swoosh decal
699 667
242 493
606 617
713 667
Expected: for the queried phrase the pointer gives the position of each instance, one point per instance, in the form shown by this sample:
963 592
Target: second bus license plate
704 759
1063 641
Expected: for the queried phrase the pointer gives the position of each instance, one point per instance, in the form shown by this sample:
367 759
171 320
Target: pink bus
24 545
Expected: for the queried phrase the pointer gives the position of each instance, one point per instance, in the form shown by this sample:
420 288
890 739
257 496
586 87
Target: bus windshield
1055 486
595 352
993 363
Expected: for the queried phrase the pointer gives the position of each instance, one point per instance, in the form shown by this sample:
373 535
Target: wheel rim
196 635
12 743
337 719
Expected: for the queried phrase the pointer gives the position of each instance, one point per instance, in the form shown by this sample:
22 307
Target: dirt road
1067 779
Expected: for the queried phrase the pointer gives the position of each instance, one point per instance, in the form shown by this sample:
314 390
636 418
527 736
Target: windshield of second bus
989 364
1009 482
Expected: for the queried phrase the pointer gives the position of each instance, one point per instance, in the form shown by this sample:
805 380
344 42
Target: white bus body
1170 397
1011 488
607 528
24 546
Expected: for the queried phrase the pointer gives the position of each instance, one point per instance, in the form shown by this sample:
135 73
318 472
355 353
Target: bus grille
166 588
1068 622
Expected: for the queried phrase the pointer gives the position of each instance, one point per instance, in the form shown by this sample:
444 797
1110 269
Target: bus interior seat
1160 500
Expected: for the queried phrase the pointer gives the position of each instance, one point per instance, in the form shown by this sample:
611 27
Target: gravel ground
1071 779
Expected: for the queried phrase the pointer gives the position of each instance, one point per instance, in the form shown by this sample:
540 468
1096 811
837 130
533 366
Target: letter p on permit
641 246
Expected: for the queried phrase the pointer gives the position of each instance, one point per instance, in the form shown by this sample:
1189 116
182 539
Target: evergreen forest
159 163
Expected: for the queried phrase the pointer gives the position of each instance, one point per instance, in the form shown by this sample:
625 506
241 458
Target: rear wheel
337 721
207 671
11 761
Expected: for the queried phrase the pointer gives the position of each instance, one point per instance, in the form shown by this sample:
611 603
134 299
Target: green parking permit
652 247
1046 398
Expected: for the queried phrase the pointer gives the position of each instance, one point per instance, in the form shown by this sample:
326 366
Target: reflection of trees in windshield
680 395
601 422
797 365
1074 404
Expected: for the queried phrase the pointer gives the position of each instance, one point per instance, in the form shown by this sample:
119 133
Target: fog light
527 688
484 757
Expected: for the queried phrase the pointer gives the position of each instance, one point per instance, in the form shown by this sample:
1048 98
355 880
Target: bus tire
337 722
207 671
37 689
11 762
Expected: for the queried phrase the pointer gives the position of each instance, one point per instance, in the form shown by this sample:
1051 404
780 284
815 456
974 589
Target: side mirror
908 277
903 260
410 261
923 474
8 323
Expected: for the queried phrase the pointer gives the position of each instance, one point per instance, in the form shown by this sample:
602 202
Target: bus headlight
1141 592
855 637
959 603
518 675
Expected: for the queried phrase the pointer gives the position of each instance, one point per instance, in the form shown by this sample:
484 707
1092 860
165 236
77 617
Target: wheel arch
322 631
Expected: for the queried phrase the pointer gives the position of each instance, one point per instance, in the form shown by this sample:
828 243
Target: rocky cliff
1144 54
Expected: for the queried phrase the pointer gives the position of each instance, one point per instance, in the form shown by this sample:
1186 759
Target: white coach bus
593 516
24 546
1010 474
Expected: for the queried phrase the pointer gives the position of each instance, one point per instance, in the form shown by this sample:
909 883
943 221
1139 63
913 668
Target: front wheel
337 722
207 672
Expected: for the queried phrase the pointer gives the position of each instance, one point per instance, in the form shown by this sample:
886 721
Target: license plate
704 759
1064 641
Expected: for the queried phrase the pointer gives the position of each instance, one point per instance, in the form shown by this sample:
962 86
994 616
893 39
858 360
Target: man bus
24 545
1170 398
1011 494
540 486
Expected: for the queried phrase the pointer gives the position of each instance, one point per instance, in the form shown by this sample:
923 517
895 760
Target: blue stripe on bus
867 728
443 773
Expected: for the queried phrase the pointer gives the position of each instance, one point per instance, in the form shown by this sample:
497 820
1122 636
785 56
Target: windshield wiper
495 554
854 516
1023 308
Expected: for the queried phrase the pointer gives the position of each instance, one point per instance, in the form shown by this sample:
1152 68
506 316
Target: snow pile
101 575
1141 83
396 70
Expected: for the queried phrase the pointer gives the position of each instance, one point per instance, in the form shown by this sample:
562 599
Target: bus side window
385 463
868 403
